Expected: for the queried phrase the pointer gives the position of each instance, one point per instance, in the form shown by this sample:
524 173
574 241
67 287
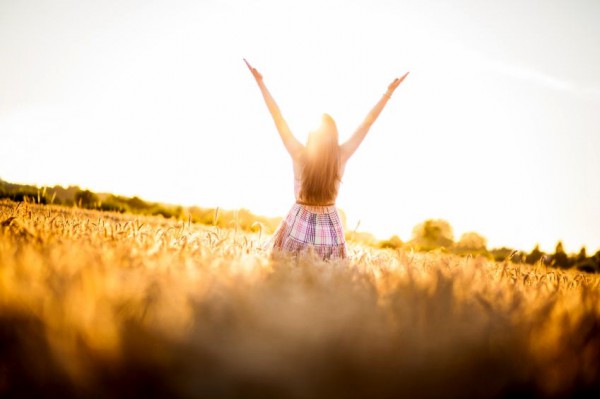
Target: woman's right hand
392 86
254 72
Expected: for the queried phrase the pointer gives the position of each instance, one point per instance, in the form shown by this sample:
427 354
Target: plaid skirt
311 227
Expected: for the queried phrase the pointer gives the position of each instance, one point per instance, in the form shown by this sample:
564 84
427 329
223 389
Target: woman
314 222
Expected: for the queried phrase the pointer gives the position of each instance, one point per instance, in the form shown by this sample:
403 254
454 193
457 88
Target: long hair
321 164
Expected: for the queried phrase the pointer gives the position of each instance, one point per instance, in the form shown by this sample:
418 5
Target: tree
560 258
471 241
394 242
137 203
432 234
585 264
535 255
582 256
86 199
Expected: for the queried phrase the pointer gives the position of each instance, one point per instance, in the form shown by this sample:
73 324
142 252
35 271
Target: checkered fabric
316 227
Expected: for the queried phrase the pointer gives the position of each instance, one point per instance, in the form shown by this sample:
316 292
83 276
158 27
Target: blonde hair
321 164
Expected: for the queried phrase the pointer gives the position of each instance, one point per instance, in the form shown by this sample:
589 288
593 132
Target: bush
87 199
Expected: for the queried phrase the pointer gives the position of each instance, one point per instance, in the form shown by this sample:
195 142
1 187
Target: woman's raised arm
350 146
292 145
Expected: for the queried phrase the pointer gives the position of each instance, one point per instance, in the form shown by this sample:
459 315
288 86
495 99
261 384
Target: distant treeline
75 196
436 234
559 258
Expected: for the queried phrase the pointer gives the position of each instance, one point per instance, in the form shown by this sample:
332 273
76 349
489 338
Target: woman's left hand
254 72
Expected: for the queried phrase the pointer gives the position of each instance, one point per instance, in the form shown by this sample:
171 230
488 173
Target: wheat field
108 305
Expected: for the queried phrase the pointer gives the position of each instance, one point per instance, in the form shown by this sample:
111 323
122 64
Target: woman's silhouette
314 222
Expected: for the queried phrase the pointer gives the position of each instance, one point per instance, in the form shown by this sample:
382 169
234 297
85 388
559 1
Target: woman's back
298 181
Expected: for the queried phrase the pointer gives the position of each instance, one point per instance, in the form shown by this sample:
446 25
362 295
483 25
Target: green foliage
20 193
62 196
137 203
472 241
87 199
112 204
362 237
534 256
502 254
432 234
394 242
138 206
241 219
560 258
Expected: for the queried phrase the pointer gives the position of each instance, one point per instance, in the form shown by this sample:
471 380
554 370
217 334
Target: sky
496 129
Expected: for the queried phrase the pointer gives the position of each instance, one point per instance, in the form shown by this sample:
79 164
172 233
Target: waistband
309 204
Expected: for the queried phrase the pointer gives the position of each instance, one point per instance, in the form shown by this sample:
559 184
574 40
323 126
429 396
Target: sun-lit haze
496 129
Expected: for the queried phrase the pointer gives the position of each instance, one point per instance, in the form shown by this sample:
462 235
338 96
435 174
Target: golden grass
109 305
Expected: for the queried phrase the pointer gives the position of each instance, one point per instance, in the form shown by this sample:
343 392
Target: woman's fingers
397 82
255 73
250 67
247 64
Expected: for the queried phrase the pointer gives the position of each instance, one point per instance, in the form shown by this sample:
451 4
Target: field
108 305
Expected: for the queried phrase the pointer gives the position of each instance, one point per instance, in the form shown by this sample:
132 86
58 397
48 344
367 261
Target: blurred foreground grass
109 305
